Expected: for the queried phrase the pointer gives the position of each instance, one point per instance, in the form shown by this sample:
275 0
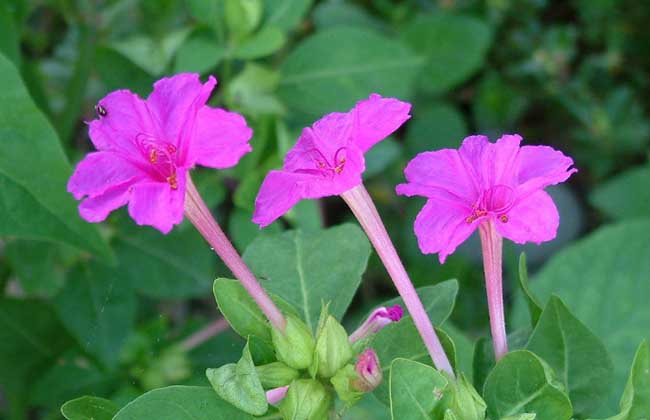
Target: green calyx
295 346
276 374
333 349
306 399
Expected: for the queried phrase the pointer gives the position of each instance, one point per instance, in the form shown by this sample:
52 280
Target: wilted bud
369 371
307 399
377 320
333 350
294 347
276 374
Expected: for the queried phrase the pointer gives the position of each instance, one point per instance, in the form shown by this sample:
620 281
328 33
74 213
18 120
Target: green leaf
265 42
575 354
435 126
31 338
454 46
71 376
89 408
286 14
521 382
329 14
98 307
415 389
176 265
199 53
252 90
498 105
310 268
239 384
241 311
602 278
635 402
317 78
180 403
624 196
242 16
483 356
151 55
34 171
36 267
534 307
118 72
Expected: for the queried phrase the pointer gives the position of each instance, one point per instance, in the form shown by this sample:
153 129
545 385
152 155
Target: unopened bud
307 399
377 320
333 350
275 395
276 374
294 346
369 371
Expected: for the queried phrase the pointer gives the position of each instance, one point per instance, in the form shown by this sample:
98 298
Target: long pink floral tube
492 244
200 216
365 211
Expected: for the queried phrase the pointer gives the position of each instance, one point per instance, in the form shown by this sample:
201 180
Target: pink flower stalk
275 395
145 151
147 147
497 188
369 371
328 159
377 320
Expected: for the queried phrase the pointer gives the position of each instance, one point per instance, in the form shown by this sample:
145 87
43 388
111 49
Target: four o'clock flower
369 371
377 320
497 188
328 159
145 149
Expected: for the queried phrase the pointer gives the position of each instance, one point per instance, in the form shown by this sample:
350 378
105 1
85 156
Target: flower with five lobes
502 183
147 146
328 157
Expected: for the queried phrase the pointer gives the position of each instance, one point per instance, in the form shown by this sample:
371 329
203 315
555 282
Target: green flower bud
306 399
344 383
294 347
463 401
333 349
276 374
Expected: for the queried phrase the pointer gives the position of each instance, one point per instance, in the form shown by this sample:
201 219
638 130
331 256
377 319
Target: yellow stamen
172 181
153 156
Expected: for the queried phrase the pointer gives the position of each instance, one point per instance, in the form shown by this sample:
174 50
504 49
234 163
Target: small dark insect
101 111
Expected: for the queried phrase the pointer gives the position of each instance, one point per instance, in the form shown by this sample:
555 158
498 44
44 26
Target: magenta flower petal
96 209
436 174
541 166
498 182
534 219
328 157
174 104
279 192
123 117
148 146
441 226
221 138
157 204
98 172
377 118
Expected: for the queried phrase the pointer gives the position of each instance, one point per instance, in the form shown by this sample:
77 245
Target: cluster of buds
298 382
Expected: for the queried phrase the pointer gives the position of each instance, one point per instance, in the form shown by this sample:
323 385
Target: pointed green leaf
180 403
521 382
577 356
309 268
238 384
415 389
34 173
635 402
89 408
534 307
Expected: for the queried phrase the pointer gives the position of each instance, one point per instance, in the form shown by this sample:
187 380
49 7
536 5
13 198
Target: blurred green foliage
102 309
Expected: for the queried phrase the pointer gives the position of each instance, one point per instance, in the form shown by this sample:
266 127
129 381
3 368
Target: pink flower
369 371
377 320
482 181
146 148
328 157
